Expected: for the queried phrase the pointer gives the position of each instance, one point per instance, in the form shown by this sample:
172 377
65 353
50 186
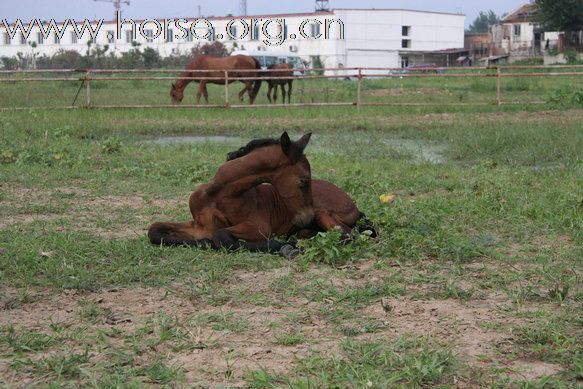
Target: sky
142 9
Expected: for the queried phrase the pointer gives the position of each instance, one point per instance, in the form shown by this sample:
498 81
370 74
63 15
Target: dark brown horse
283 70
264 192
333 208
218 65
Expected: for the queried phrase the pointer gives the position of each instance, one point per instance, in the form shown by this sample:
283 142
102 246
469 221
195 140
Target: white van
268 58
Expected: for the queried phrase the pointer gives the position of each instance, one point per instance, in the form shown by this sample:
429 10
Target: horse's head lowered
281 163
177 94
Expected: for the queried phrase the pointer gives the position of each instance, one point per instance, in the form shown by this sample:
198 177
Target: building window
314 30
129 36
149 36
73 38
110 36
404 62
233 32
40 39
516 30
406 43
7 40
405 30
255 35
170 36
56 39
189 36
22 39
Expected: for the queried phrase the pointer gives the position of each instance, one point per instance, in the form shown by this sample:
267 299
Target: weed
326 248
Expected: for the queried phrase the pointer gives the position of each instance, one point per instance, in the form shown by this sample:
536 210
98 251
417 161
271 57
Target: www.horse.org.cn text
271 31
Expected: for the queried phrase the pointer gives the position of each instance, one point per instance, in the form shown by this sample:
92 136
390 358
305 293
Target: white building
340 38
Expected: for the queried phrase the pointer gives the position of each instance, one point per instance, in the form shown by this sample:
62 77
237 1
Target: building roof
398 9
522 14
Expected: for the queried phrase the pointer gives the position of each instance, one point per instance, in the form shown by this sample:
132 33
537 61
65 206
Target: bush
566 96
572 57
99 57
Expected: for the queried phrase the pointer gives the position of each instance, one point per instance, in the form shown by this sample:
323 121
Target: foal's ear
286 143
304 140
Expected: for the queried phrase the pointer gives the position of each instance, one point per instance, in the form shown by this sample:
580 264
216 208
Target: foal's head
283 160
177 94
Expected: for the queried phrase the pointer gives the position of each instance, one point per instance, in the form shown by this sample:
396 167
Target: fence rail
88 78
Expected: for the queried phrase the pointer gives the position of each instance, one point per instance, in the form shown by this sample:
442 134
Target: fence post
498 79
226 89
88 88
359 89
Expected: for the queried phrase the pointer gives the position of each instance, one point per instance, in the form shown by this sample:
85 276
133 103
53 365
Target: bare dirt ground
476 329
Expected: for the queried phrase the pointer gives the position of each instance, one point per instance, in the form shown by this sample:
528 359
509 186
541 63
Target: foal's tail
364 224
257 83
176 234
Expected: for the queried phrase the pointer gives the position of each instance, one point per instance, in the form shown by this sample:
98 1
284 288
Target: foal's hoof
289 251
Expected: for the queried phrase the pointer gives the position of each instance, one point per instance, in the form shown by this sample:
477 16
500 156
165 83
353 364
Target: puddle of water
420 151
177 140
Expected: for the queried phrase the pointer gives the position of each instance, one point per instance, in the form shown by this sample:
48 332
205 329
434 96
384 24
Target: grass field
474 281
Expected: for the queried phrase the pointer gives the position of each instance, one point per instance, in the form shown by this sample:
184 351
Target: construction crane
116 4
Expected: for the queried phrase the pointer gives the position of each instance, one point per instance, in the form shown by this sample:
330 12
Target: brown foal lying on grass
264 190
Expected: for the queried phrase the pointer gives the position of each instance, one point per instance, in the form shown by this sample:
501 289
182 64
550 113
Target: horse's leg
328 221
201 87
283 92
205 92
242 94
275 93
249 236
289 90
176 234
269 92
249 89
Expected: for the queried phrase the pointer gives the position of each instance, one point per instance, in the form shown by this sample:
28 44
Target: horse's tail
364 224
257 83
176 234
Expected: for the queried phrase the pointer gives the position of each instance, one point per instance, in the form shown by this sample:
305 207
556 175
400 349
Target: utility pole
199 11
116 4
243 7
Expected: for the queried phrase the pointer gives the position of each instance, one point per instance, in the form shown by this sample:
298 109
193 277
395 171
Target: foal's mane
249 147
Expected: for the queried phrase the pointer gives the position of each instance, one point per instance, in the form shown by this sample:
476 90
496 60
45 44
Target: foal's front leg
250 236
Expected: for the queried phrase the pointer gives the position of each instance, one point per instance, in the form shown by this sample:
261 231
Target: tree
216 49
483 22
560 15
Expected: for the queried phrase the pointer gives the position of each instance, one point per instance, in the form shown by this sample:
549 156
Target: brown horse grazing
219 64
264 192
286 71
333 208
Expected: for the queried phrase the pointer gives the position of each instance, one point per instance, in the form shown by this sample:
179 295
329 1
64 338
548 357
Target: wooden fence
88 77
